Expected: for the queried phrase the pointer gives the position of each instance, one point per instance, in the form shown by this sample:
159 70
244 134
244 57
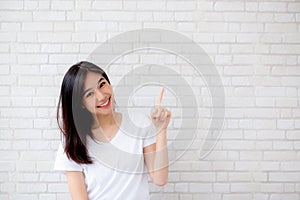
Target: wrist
158 130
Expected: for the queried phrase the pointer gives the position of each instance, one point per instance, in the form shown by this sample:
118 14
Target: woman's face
97 96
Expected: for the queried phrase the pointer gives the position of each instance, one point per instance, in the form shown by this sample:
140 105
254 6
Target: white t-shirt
118 170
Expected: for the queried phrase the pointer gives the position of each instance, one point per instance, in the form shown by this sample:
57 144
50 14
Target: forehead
91 80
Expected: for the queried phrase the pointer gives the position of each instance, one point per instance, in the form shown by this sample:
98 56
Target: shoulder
63 163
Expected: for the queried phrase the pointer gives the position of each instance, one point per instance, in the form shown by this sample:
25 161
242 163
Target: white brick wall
254 44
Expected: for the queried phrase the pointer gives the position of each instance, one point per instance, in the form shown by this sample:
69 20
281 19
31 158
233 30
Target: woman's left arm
156 155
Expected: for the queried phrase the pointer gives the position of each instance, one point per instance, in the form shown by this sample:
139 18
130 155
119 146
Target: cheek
88 104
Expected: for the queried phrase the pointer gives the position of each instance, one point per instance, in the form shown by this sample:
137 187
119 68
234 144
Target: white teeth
105 103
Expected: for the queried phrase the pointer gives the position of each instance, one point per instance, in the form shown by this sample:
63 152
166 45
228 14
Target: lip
108 104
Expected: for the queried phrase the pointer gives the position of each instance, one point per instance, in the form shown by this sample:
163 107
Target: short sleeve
63 163
149 141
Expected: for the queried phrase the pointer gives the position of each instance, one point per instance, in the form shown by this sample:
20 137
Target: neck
105 120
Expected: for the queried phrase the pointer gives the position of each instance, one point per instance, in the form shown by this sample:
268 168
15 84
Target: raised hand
161 116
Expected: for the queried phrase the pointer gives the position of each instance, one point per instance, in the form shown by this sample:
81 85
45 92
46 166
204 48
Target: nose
99 95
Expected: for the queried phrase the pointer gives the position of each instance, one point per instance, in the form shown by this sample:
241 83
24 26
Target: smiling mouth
105 105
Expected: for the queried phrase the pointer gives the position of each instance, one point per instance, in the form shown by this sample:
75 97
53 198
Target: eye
89 94
101 84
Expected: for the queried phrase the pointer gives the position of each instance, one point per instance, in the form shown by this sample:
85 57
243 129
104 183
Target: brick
31 5
25 196
240 17
25 166
244 187
32 59
49 37
63 26
11 5
240 81
294 7
238 70
290 81
7 37
272 187
31 187
28 36
24 177
285 124
20 123
249 155
47 196
221 187
40 145
247 37
5 49
8 187
5 145
62 59
200 187
5 101
229 6
118 16
181 6
246 165
72 48
270 134
198 176
293 134
49 16
222 165
262 113
57 187
36 155
284 196
37 26
7 80
265 102
83 37
144 16
290 166
49 177
270 91
112 5
251 6
17 112
272 6
279 155
280 27
27 134
252 27
7 166
284 18
212 27
238 145
14 16
10 155
90 26
284 177
182 16
181 187
62 5
237 196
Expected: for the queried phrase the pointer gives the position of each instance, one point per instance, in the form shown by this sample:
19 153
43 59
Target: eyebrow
101 79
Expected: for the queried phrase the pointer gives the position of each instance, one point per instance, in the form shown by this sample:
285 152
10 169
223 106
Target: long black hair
76 121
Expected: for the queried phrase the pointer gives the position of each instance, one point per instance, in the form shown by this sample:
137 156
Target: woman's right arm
76 185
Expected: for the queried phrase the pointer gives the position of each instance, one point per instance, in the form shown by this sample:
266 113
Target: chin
104 112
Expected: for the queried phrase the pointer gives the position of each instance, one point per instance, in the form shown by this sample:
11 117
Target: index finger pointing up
159 99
